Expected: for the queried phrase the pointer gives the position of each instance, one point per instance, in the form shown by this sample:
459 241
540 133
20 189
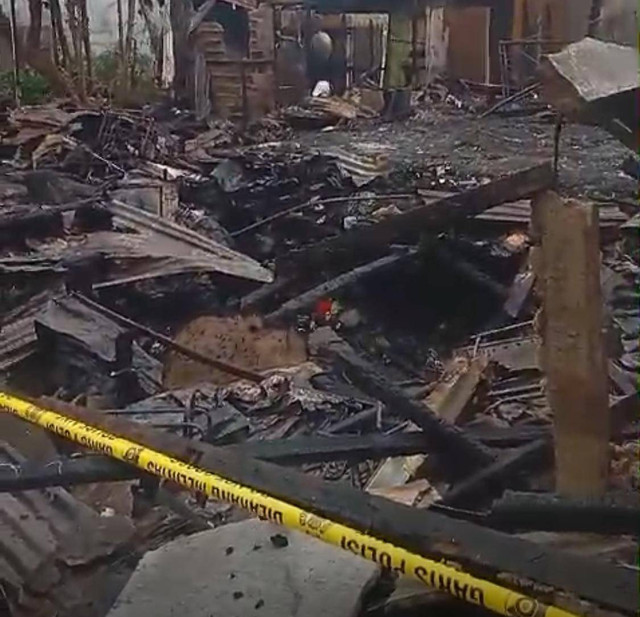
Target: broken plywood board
410 494
245 568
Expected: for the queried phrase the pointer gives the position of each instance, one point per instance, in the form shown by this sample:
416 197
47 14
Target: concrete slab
246 568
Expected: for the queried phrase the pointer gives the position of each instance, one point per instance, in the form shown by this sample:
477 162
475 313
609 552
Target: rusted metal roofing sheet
44 532
158 237
154 247
18 334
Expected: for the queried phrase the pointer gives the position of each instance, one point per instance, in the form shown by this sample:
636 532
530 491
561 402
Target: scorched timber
65 472
309 298
486 552
462 451
492 478
550 512
432 216
300 450
313 449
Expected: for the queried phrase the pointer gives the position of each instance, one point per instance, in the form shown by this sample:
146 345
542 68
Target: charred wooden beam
261 297
368 241
301 450
509 437
469 270
356 421
64 472
493 478
480 550
462 451
309 298
549 512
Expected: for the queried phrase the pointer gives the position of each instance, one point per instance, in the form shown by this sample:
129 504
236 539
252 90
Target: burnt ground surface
590 159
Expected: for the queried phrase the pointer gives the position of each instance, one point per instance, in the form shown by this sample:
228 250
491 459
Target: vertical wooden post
15 46
573 355
398 50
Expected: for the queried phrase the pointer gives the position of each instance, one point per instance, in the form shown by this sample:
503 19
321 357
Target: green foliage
34 88
105 67
139 86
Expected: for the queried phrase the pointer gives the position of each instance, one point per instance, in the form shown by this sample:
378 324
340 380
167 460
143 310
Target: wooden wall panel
468 56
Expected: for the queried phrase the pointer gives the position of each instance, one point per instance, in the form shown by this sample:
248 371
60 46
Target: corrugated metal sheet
172 240
45 532
520 212
597 69
18 333
362 162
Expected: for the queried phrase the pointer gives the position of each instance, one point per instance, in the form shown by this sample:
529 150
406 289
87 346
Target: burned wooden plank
258 299
492 478
449 400
469 270
461 450
480 550
549 512
300 450
356 421
64 472
309 298
314 449
431 216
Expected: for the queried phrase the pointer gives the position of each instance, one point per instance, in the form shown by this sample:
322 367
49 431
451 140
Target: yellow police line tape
435 575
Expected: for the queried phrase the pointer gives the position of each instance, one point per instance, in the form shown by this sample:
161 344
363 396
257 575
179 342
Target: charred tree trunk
180 15
40 60
73 19
86 41
61 37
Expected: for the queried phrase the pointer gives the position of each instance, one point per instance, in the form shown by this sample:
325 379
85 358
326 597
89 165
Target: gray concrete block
238 570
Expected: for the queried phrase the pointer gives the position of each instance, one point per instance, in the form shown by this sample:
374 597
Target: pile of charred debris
366 332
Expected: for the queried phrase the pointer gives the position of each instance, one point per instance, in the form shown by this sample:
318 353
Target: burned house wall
291 65
468 52
368 32
223 44
436 44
